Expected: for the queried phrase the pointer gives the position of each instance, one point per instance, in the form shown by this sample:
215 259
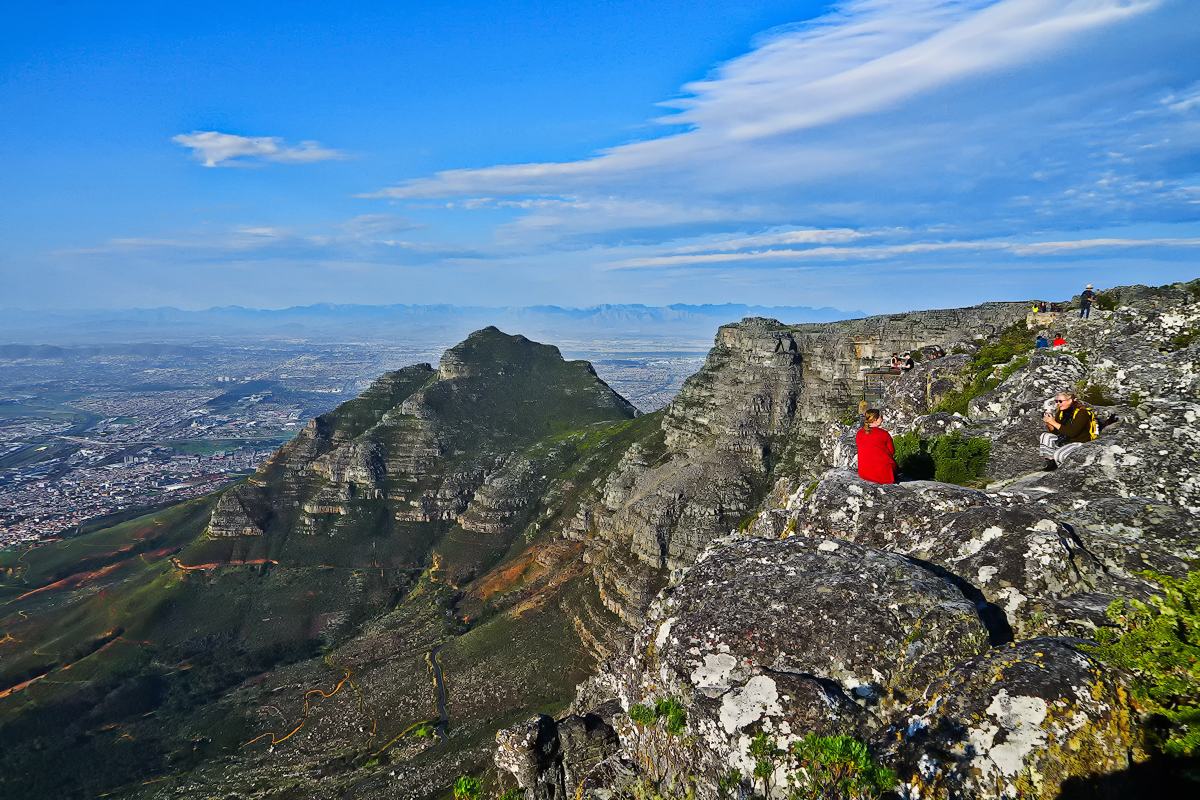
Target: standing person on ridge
1085 303
876 453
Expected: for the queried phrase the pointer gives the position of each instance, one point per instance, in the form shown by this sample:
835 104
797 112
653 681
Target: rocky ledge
949 628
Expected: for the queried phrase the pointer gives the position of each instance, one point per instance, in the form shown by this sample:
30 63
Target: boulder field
947 627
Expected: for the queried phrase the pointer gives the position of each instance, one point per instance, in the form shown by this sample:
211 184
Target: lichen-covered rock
844 506
531 752
919 390
1018 721
796 635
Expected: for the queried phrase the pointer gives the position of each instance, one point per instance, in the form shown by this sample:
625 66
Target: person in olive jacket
1066 429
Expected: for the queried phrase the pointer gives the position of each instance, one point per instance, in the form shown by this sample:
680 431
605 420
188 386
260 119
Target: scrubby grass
1108 301
1009 348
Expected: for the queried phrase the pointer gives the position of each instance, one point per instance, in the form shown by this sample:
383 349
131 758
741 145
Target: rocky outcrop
945 626
1019 721
550 759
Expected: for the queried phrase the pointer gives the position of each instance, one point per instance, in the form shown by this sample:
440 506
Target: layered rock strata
948 627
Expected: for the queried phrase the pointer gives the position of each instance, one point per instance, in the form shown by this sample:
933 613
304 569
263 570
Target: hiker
1085 302
1042 342
1067 429
895 364
907 363
1059 341
876 453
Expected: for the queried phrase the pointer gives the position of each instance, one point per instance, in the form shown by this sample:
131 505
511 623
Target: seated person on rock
1059 341
895 362
876 453
1067 429
907 363
1042 341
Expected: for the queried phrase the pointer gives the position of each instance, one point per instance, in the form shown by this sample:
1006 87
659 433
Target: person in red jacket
876 453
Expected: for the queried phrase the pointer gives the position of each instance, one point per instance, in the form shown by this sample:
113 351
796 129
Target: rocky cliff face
945 626
754 413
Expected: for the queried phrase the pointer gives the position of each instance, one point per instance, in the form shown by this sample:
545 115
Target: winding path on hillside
439 731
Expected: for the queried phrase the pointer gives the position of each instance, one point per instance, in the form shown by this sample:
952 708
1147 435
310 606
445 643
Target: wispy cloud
215 149
865 58
829 253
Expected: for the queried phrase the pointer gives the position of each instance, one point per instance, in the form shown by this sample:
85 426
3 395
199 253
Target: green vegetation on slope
953 458
1159 644
1012 342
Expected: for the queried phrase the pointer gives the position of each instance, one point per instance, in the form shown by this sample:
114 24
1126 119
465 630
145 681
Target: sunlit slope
145 651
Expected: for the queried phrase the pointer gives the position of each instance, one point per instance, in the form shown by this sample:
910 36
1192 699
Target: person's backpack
1093 428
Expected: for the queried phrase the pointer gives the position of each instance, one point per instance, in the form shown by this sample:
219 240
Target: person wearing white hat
1085 302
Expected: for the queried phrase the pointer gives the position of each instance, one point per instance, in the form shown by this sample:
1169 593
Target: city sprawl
97 432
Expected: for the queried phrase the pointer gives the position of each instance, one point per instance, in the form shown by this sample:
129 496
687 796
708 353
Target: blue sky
873 154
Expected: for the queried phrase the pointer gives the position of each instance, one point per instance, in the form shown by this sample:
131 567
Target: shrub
1159 644
953 458
1183 340
912 457
838 767
665 753
1108 301
1094 395
816 768
514 793
467 788
1135 399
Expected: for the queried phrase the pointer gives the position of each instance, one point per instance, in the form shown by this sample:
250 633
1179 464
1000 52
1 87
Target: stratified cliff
944 626
753 414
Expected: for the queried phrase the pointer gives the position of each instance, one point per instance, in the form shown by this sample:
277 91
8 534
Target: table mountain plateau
381 607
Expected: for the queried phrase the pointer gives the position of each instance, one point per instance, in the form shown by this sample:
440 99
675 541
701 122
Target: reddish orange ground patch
74 581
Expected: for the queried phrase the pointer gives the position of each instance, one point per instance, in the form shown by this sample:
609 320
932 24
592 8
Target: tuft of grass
1108 301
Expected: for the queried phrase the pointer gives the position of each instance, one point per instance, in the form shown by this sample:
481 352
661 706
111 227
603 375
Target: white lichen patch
1011 598
716 671
664 633
976 544
747 705
1021 719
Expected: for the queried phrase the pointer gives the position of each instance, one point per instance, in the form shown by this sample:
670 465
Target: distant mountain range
328 322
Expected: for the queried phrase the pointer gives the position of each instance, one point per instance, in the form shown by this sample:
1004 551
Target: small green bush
953 458
1094 395
1183 340
1108 301
467 788
1160 645
641 714
514 793
838 767
669 709
1135 399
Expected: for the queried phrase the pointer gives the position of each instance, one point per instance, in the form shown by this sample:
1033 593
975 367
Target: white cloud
215 149
864 58
833 253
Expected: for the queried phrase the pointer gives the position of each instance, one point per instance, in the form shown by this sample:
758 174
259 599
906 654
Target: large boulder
1019 721
796 635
